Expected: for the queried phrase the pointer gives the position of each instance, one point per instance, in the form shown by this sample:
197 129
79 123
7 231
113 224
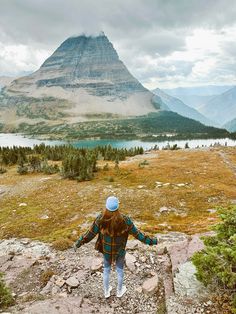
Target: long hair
113 223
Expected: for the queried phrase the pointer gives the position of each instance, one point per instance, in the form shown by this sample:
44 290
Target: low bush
22 170
3 170
216 263
62 244
46 276
6 298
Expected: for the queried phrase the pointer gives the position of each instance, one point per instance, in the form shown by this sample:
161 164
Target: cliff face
91 63
86 74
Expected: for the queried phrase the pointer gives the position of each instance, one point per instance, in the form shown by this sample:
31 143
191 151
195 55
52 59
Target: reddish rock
150 286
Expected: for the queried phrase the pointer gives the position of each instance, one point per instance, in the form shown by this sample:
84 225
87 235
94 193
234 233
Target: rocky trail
159 279
227 161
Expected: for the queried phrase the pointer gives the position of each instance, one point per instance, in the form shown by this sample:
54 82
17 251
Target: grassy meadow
161 190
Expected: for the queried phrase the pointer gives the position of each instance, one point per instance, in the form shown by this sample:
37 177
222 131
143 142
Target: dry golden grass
60 209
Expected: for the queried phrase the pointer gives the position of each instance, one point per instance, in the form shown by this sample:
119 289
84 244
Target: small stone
60 282
130 261
63 294
163 209
55 290
138 289
151 259
96 264
47 288
140 186
132 245
209 303
143 259
72 282
44 217
25 241
211 210
150 285
22 204
23 294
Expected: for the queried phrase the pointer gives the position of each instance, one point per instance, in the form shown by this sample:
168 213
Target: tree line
76 163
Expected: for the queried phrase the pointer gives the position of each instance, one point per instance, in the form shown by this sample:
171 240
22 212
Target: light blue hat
112 203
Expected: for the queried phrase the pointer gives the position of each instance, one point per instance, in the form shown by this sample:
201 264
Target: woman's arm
89 235
139 235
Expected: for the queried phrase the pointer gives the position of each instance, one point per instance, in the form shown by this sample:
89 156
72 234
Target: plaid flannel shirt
112 247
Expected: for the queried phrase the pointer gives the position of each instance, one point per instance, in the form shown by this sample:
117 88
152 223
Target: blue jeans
119 270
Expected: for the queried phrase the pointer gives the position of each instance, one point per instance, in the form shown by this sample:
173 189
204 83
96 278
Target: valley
161 190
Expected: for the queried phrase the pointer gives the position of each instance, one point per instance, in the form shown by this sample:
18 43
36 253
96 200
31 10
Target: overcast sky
164 43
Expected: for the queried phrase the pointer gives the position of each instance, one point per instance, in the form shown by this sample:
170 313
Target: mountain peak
86 73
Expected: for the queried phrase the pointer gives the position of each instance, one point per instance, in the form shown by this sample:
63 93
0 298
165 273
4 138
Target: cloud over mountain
180 40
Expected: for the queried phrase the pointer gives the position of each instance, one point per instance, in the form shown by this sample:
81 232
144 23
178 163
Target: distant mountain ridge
221 108
207 90
197 97
230 125
176 105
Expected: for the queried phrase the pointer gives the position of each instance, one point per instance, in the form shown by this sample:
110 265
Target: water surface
7 139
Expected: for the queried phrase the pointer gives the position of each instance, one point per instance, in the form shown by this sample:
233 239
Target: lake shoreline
21 139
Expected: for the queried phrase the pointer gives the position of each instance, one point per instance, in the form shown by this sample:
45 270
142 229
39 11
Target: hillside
170 194
176 105
152 127
5 80
174 190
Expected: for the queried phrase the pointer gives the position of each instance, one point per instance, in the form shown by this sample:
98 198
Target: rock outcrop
161 280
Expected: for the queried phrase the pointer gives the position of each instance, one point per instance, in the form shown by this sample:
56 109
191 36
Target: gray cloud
138 28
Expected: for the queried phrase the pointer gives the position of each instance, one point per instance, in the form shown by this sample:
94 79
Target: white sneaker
108 293
122 292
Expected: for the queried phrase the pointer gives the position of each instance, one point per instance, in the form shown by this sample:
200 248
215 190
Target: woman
113 229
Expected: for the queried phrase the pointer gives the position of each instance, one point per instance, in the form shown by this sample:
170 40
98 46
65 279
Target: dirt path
227 161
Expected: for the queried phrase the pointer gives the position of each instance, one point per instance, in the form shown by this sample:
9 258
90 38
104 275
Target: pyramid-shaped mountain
83 78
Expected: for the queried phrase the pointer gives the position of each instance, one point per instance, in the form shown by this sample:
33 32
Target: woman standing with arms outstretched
113 229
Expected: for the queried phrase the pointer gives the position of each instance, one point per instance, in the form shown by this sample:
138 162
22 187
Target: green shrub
110 179
49 169
6 298
106 167
143 163
216 263
35 163
3 170
46 276
22 170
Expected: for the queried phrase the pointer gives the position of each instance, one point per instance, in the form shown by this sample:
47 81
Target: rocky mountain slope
82 78
159 279
221 108
176 105
230 125
5 80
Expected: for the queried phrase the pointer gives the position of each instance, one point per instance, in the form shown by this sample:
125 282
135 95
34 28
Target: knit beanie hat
112 203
